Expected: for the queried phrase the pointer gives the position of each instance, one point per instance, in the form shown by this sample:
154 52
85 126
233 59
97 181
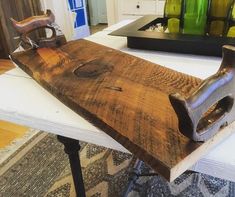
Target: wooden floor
9 132
5 65
97 28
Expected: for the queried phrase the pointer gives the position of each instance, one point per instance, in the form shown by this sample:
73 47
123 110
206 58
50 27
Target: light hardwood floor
97 28
9 132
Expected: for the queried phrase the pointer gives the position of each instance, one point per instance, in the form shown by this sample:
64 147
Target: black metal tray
138 38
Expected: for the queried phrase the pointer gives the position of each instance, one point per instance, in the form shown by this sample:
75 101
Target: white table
25 102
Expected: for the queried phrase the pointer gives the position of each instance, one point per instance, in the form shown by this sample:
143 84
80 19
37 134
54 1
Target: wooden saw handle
33 23
211 106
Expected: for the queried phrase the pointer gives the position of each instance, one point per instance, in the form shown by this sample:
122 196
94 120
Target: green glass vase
231 32
173 13
173 8
233 13
216 28
173 25
220 8
195 17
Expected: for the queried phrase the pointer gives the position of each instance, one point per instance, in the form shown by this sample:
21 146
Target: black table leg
134 175
72 147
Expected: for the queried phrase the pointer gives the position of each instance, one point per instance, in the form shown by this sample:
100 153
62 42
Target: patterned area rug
41 168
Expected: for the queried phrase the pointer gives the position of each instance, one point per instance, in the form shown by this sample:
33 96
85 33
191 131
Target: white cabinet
97 11
118 10
147 7
137 7
160 7
128 9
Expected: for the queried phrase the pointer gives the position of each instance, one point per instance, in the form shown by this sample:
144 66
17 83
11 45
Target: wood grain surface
123 95
5 65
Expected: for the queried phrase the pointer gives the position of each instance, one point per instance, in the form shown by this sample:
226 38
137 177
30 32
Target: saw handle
26 26
42 42
209 108
33 22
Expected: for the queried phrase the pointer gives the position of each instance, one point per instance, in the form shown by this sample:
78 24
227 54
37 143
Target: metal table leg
134 175
71 148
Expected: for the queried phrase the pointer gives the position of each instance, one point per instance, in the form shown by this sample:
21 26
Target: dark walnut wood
5 65
125 96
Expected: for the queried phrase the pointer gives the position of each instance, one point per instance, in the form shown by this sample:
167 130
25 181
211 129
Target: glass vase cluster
201 17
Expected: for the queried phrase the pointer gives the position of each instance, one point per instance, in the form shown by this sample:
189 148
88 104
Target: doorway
97 15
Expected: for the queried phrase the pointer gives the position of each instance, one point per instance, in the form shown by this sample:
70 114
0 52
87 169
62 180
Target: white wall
112 11
102 11
93 5
64 17
98 11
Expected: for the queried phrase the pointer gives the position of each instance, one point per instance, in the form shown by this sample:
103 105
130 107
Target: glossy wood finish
125 96
5 65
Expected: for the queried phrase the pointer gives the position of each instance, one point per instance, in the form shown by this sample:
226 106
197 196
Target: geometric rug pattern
43 170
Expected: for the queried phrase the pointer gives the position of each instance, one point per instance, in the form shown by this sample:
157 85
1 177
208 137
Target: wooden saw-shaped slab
125 96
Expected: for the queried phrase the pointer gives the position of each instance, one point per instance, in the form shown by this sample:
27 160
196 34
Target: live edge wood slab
125 96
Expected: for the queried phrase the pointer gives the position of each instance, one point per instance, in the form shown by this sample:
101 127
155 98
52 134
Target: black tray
138 38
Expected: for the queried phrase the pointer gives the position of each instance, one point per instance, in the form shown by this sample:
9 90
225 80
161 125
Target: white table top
25 102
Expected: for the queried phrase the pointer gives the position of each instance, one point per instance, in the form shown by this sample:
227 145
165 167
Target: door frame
112 11
94 11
